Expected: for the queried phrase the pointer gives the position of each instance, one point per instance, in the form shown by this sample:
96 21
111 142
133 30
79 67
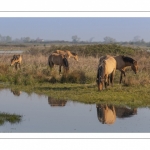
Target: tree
75 39
108 39
8 39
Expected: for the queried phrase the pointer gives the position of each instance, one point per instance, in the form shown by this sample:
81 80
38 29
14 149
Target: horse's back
110 64
56 58
102 58
120 62
109 115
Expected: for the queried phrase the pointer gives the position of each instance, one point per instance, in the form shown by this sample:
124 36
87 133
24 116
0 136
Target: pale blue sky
121 29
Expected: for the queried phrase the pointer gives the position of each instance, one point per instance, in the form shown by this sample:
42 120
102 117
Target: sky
63 28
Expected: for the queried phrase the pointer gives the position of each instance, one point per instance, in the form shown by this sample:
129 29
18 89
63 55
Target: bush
75 76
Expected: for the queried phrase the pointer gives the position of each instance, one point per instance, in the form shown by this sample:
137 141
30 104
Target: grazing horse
57 59
106 114
16 60
107 67
122 63
67 54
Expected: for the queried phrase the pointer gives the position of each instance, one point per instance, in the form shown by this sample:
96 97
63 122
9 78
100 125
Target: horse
16 60
57 59
67 54
122 63
107 67
106 114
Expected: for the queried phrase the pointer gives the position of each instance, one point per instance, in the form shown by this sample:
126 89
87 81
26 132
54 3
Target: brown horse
106 114
107 67
16 60
67 54
122 63
57 59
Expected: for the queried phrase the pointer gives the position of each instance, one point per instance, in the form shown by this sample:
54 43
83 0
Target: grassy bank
80 84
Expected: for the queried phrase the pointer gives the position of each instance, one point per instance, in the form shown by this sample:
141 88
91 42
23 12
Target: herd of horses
106 67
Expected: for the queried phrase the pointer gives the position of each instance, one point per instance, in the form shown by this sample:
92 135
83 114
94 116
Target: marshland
79 84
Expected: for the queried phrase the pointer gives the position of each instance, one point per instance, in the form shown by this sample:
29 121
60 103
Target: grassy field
80 84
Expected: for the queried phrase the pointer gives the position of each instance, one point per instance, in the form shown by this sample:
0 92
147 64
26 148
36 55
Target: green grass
133 96
11 118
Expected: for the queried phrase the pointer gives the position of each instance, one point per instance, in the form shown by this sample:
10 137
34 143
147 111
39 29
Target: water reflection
56 102
107 113
16 92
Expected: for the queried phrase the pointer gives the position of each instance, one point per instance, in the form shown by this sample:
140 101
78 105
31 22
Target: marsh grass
80 83
11 118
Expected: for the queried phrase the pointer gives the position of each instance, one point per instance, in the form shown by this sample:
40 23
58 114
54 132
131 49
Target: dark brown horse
60 60
122 63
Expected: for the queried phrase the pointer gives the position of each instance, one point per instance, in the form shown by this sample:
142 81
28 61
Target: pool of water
43 114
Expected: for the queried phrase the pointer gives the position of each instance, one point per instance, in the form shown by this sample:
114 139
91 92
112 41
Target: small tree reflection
56 102
16 92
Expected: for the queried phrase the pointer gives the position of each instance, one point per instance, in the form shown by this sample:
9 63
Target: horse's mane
66 62
127 59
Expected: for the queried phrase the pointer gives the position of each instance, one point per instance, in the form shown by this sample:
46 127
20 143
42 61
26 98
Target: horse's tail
50 63
65 61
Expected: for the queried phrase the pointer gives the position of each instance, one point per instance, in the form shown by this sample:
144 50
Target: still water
42 114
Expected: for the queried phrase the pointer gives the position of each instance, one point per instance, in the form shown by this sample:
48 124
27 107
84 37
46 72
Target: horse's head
134 66
15 59
76 57
100 86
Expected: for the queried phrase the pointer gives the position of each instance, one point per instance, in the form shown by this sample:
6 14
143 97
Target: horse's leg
109 78
59 69
122 73
106 81
112 77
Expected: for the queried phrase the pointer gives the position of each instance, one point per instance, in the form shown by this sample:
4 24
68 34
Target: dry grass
35 67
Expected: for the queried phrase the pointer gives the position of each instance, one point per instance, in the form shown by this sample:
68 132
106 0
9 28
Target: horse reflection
107 113
56 102
16 92
123 112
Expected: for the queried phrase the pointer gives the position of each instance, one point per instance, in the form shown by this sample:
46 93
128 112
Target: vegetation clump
12 118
